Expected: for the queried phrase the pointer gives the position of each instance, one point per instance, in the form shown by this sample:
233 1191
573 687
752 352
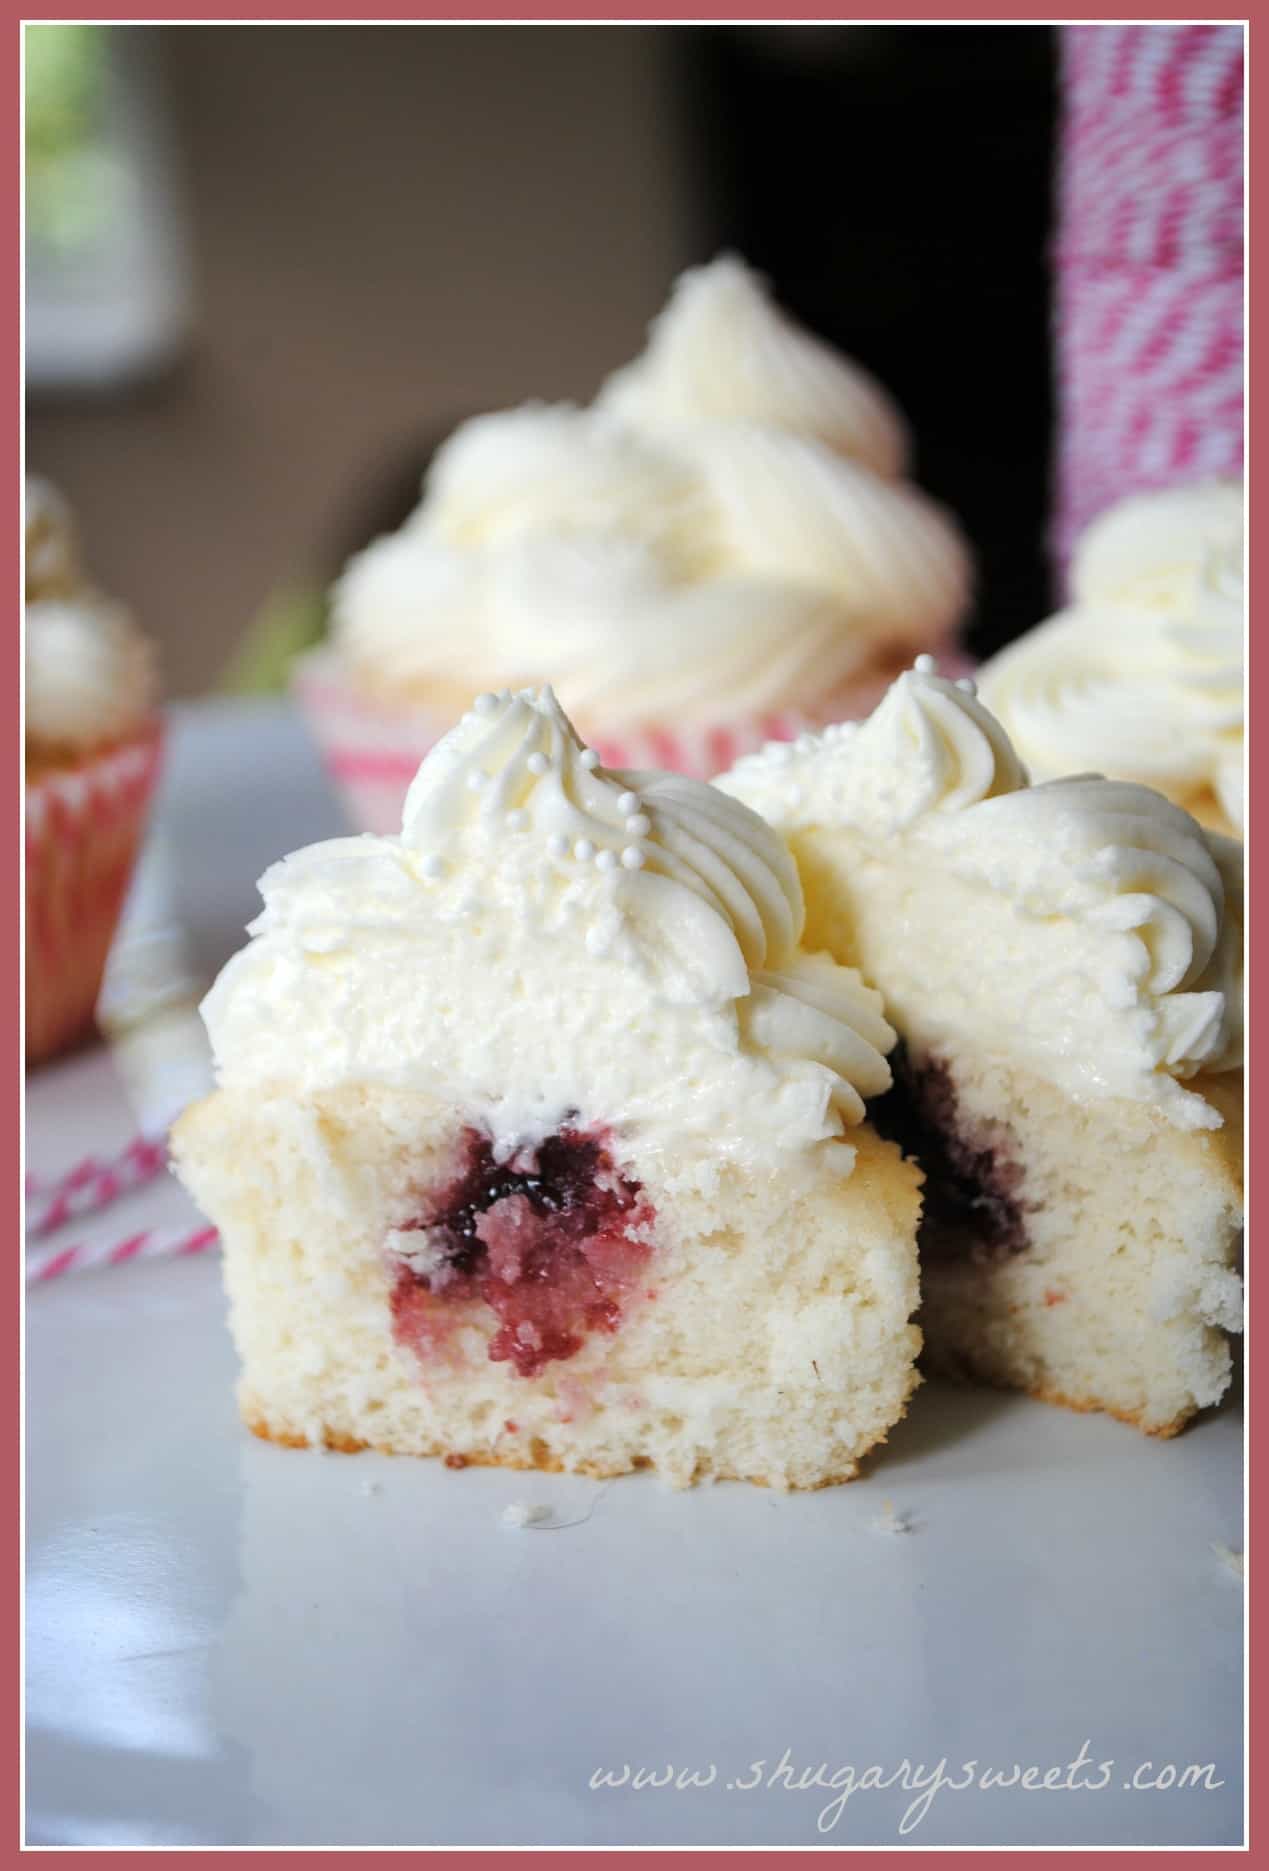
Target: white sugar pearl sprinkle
926 665
557 845
583 850
639 826
628 803
632 858
433 867
485 704
517 820
476 780
606 861
968 684
589 759
537 763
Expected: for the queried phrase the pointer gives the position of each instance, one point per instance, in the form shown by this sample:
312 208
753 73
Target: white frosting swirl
557 472
928 747
1155 542
545 937
527 614
724 563
1142 678
89 673
723 351
411 614
1086 927
52 561
792 510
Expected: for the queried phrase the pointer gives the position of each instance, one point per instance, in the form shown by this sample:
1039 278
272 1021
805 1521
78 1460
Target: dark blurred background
371 232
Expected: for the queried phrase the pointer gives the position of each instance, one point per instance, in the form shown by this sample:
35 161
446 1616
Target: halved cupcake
92 758
720 550
539 1137
1063 965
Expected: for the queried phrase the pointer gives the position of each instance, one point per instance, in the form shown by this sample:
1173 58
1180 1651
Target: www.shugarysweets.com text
925 1782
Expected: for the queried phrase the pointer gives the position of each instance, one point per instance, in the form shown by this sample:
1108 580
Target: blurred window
107 277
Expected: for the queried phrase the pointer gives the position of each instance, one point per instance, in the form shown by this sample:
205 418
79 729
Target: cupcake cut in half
540 1136
1063 965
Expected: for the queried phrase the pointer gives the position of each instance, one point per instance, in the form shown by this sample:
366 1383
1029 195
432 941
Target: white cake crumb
1232 1561
889 1522
524 1514
372 1487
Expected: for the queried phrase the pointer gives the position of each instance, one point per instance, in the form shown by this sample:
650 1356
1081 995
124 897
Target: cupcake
1141 678
540 1135
718 551
92 754
1063 965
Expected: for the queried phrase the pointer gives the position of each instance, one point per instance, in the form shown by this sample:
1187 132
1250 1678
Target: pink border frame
512 11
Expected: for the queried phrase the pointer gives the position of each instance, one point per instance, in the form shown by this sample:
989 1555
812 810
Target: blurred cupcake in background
1141 677
92 756
719 551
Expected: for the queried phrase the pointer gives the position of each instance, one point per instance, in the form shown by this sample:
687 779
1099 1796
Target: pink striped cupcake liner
371 752
83 829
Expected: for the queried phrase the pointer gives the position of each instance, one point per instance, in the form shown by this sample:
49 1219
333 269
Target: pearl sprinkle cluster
635 821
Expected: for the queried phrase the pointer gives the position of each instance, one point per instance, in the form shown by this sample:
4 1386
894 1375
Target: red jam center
552 1242
973 1202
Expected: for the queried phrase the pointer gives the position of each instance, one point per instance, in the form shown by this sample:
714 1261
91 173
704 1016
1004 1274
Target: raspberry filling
552 1241
973 1179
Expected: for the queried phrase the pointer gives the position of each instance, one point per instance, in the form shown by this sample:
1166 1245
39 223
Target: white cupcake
1063 964
92 757
719 551
539 1137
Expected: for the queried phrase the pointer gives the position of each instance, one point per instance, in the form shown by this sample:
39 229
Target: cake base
763 1331
540 1461
1085 1254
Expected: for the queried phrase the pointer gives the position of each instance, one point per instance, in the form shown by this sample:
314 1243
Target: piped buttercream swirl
1084 926
723 352
89 672
1151 545
750 553
546 935
1142 677
51 554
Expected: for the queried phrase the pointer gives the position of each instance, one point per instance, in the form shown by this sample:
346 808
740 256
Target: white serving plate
233 1644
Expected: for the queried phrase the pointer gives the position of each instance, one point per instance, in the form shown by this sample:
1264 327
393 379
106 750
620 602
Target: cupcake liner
372 751
83 828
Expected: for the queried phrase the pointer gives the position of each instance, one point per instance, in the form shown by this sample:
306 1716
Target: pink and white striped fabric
91 1184
52 1261
1149 261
